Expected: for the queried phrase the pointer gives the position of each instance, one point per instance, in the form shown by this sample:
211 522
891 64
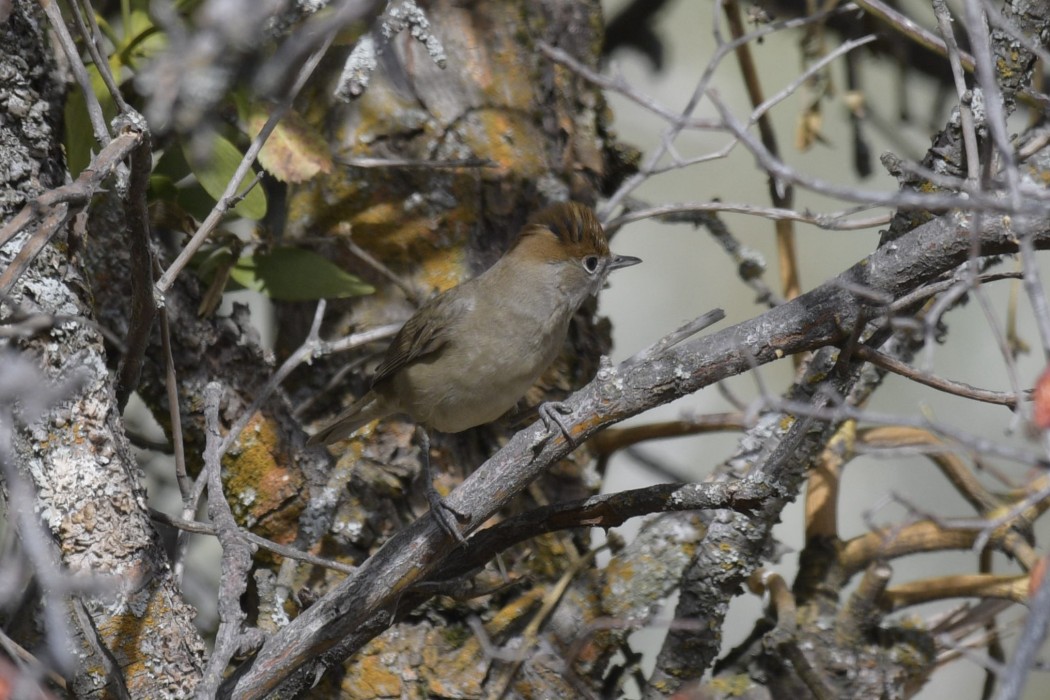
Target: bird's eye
590 264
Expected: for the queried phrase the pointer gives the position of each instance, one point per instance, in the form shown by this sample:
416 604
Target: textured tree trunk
86 489
539 134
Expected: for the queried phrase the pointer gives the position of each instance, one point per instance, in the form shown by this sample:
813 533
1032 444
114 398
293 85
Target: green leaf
80 139
214 266
195 201
171 164
142 39
215 172
294 274
209 259
295 151
162 188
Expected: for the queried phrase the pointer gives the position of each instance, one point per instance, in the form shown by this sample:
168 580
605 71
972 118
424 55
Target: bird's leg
438 507
551 413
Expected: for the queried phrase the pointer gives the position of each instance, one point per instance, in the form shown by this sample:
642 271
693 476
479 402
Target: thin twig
80 74
780 194
228 195
171 388
894 365
724 48
1037 621
302 354
236 553
910 29
620 85
844 48
935 288
995 114
31 663
199 528
363 162
91 40
969 134
967 440
1034 202
378 266
140 260
832 221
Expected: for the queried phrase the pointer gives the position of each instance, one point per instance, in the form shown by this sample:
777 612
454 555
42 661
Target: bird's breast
496 353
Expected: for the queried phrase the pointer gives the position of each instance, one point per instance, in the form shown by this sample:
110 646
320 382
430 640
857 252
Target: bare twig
80 74
92 40
912 30
781 195
200 528
229 194
236 555
1013 681
832 221
969 134
1033 201
957 388
143 307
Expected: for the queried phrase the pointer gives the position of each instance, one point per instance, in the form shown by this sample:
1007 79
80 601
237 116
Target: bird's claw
551 414
438 506
442 512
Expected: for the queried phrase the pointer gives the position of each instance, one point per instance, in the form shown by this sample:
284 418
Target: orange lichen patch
122 634
390 666
550 558
590 422
508 139
385 230
619 571
513 85
455 667
314 207
516 610
383 112
1039 174
372 677
479 52
259 485
1005 70
377 215
125 635
444 271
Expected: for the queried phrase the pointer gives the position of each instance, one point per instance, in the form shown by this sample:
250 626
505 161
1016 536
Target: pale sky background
685 274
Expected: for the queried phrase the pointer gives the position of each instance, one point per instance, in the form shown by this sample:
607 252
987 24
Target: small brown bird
470 353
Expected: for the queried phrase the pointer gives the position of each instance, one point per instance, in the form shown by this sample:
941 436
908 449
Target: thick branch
346 618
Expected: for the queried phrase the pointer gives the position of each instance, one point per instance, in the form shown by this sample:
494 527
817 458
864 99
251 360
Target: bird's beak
619 261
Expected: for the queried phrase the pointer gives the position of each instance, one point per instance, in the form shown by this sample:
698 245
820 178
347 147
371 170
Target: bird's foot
551 414
446 515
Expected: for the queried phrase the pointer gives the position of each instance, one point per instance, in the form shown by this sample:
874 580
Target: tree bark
110 577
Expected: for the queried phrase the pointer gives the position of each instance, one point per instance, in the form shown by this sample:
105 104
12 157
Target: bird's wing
426 332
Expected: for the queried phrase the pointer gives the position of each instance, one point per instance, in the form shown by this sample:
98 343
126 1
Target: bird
469 354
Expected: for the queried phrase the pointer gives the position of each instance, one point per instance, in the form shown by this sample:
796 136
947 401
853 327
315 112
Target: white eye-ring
590 264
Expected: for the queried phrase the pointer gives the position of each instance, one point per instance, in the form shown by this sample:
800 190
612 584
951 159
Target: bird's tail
356 415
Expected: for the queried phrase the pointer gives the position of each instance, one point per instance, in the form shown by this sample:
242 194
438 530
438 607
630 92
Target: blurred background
687 273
